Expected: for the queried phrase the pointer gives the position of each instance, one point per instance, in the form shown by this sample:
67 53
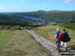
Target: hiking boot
66 49
60 47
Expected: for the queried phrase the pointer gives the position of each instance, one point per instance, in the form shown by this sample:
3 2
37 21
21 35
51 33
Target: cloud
48 2
69 1
2 7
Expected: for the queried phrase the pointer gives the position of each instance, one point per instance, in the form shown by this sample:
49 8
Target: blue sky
34 5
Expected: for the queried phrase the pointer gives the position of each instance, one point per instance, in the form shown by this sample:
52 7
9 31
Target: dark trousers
58 44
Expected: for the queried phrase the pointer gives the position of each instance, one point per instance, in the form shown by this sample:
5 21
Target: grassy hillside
49 33
19 43
5 36
60 15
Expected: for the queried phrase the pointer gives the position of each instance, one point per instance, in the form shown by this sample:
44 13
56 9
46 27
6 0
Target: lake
38 19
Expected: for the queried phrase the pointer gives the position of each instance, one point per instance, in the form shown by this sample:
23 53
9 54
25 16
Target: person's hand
54 38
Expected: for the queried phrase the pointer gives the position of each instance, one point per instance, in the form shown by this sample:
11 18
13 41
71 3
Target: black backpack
68 39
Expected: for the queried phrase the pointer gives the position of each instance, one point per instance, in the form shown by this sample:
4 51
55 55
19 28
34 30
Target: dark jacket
65 37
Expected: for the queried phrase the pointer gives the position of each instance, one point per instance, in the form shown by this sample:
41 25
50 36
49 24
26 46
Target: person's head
58 29
64 30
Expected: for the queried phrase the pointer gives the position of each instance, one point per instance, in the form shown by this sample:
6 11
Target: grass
21 44
49 32
5 36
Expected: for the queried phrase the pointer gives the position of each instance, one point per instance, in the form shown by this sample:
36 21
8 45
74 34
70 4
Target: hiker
57 39
65 39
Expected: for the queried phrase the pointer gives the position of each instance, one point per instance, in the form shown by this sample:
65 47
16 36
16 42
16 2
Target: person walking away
57 39
65 39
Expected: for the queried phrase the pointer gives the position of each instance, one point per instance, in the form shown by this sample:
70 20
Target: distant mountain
59 15
64 16
33 14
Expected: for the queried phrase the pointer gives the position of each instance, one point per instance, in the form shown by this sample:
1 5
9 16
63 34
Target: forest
12 20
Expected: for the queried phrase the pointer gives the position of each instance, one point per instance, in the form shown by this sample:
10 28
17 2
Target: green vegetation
61 16
5 36
69 26
18 19
49 33
11 27
19 44
13 20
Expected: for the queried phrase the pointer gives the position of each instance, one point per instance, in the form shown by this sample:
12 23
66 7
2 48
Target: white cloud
69 1
2 7
48 2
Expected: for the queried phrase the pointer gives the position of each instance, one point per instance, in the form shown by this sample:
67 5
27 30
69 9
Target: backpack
60 36
68 39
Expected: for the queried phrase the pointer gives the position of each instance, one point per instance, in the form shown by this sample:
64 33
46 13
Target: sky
35 5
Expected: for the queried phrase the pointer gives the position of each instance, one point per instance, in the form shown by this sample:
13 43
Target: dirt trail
45 43
22 45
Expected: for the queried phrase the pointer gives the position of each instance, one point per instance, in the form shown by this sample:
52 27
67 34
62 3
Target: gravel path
47 44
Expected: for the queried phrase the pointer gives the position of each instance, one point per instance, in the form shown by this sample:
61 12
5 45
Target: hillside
32 14
19 43
49 33
18 18
12 20
64 16
55 15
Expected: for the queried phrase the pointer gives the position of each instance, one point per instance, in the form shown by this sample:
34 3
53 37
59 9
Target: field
5 36
49 33
19 43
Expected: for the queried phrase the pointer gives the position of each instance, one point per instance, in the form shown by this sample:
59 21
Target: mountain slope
60 15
